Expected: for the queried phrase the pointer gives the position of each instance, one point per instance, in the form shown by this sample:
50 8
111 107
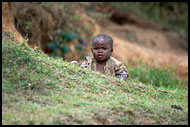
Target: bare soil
8 21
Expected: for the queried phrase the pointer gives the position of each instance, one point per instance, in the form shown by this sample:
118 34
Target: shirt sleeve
119 67
84 64
120 70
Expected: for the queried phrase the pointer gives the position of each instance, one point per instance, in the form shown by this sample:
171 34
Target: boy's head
102 47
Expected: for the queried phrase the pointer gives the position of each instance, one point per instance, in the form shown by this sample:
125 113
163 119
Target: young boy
102 61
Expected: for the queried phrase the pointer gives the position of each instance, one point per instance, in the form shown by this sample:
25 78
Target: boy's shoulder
114 60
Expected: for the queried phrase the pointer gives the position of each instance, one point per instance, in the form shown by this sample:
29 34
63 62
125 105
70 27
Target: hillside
154 32
38 89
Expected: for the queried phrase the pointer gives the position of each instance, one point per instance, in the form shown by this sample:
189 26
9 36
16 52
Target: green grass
38 89
155 76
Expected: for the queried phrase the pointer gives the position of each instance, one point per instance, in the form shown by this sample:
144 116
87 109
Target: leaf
62 35
73 36
82 56
58 43
65 49
53 54
52 45
69 37
82 42
78 47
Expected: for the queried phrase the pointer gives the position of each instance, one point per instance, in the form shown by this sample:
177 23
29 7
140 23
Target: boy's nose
100 51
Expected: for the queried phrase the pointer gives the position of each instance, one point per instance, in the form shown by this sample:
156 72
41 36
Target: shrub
60 47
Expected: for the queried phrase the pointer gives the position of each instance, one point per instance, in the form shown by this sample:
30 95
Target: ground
60 93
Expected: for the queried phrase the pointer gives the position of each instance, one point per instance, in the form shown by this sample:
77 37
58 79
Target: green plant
47 5
28 25
61 47
98 15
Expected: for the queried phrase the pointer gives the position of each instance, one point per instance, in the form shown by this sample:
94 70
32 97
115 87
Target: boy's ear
111 50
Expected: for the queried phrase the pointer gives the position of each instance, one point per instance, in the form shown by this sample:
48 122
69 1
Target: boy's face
101 50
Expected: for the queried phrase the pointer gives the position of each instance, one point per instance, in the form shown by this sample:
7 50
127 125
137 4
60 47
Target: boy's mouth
100 56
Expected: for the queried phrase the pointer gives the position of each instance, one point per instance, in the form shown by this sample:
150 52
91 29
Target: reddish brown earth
8 21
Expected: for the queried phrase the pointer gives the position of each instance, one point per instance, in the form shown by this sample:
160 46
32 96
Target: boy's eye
96 48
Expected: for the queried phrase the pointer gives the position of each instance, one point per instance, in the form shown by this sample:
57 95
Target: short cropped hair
105 37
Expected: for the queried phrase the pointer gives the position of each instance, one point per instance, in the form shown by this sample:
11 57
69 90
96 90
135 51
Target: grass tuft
155 76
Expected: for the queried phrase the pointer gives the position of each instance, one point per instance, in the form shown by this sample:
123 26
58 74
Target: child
102 61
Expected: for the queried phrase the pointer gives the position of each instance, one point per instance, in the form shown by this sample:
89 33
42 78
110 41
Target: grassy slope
37 89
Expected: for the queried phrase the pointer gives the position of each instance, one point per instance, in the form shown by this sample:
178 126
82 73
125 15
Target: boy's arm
120 71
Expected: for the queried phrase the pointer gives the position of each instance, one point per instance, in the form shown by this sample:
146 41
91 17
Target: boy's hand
123 75
74 63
